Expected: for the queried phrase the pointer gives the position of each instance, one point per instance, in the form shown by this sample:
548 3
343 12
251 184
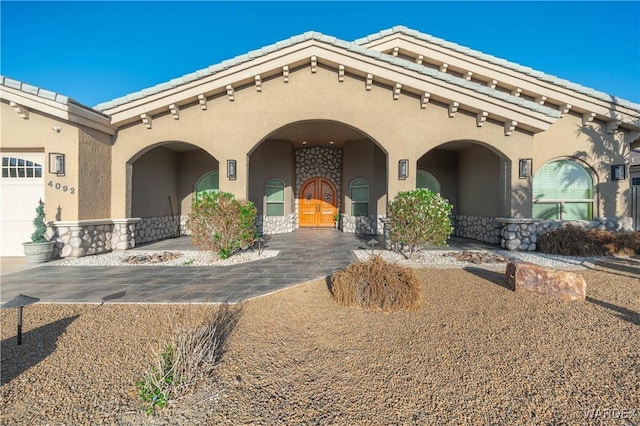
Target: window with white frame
275 197
359 194
14 167
563 190
427 180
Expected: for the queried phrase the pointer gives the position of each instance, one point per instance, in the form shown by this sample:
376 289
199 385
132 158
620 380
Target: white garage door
21 187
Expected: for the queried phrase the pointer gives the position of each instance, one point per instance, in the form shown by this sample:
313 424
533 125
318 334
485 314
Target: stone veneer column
518 233
124 233
88 237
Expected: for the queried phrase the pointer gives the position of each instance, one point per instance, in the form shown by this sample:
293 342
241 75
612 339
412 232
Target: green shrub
155 388
572 240
199 337
376 284
417 218
221 223
38 235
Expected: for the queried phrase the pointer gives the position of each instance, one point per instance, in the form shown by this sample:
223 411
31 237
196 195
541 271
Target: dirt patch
473 353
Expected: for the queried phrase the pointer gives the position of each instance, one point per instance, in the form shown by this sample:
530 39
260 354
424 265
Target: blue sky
97 51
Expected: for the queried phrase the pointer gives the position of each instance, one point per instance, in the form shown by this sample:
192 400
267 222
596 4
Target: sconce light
231 169
56 163
403 169
525 168
618 172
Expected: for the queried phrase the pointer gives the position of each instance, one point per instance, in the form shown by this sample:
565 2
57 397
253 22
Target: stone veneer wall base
270 225
89 237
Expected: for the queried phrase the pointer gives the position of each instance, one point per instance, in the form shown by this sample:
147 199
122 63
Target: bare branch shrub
376 284
199 340
572 240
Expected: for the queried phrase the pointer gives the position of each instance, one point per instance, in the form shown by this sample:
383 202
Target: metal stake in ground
372 242
20 302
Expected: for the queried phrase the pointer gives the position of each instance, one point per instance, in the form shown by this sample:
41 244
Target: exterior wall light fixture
56 163
618 172
403 169
231 169
525 168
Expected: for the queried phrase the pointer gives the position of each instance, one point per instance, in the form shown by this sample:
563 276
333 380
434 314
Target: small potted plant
38 250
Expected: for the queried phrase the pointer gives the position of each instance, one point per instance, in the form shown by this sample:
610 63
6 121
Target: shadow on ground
37 344
625 266
622 313
498 278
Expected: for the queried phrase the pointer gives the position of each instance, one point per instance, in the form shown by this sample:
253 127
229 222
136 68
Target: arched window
563 190
426 180
210 182
275 197
359 194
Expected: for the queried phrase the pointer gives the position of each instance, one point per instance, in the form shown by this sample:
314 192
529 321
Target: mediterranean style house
314 129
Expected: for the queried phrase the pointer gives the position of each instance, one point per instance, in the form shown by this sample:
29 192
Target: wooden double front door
317 203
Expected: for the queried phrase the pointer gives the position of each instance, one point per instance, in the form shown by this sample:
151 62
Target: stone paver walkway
305 254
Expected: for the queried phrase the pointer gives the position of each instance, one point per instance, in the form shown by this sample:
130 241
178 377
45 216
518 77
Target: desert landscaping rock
529 278
299 358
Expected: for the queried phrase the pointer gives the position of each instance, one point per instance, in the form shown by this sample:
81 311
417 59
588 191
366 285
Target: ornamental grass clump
198 341
418 218
571 240
221 223
376 285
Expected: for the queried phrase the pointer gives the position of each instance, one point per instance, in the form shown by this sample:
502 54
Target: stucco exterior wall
364 160
444 166
192 166
94 175
36 134
230 129
155 178
273 159
479 191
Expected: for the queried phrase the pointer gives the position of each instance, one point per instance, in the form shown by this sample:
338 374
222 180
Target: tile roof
354 47
44 94
358 48
33 90
501 62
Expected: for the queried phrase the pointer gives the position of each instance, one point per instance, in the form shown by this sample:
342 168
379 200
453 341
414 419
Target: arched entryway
318 203
164 179
474 177
315 163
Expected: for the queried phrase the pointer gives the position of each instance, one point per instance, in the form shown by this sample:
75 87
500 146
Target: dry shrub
376 284
571 240
198 347
199 336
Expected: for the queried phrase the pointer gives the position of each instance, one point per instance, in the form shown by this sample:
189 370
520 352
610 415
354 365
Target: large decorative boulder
531 278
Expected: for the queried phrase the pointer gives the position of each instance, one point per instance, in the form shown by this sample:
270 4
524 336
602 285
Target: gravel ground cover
474 353
177 258
438 258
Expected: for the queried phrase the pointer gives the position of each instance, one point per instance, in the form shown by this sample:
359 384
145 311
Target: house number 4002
64 188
